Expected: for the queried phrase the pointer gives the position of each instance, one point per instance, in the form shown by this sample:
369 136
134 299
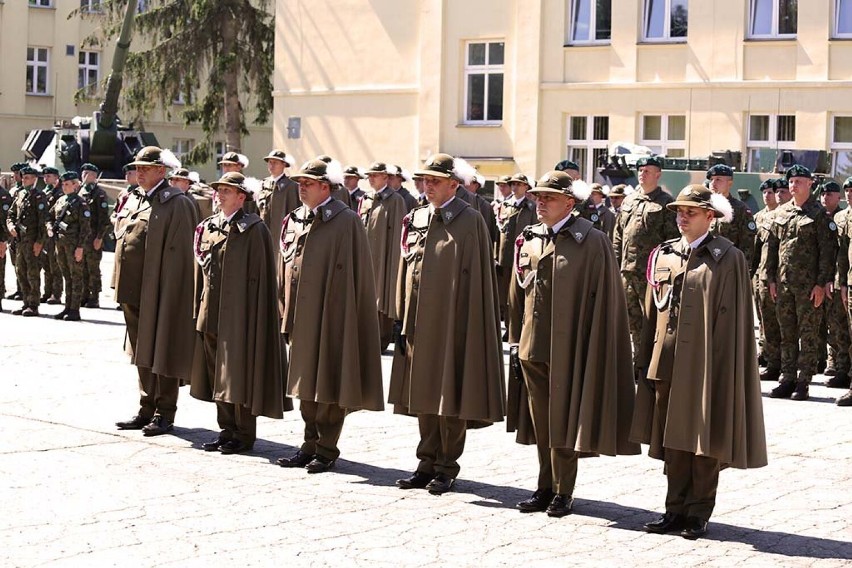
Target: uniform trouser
770 331
92 272
52 272
692 480
441 444
634 288
799 321
28 271
72 271
13 248
3 274
235 420
504 282
836 329
158 394
385 330
323 425
557 467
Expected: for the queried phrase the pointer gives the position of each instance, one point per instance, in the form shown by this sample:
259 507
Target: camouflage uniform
802 254
643 222
835 327
740 231
70 223
96 200
770 331
48 261
28 215
5 205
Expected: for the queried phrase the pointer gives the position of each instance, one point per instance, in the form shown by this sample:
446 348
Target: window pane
652 128
476 54
495 97
603 19
599 156
82 57
655 18
582 20
842 165
30 54
758 128
41 80
42 54
676 153
81 78
578 156
680 12
843 129
677 128
787 16
476 97
787 128
844 16
495 53
578 128
600 128
761 17
30 81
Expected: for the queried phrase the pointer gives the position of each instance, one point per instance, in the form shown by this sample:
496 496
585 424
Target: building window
41 3
588 138
773 18
843 18
183 146
90 5
590 21
141 6
220 153
665 134
666 20
841 148
38 62
88 73
484 82
767 134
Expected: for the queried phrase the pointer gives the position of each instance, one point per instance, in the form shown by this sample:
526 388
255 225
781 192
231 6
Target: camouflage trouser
770 332
835 331
3 274
28 271
634 287
72 271
92 272
799 322
52 272
13 248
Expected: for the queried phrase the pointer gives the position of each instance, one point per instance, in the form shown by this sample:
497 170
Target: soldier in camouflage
800 270
843 271
69 222
770 333
16 175
26 224
96 199
742 228
643 222
52 273
5 205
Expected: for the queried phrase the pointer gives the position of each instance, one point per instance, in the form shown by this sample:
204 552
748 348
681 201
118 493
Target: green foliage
188 57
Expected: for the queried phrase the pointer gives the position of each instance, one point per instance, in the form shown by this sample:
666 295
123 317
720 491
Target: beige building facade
518 85
43 66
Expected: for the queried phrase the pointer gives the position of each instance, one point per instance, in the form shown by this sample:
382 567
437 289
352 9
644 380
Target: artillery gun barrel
109 107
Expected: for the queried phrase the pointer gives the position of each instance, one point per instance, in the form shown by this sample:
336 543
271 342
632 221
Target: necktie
310 217
551 235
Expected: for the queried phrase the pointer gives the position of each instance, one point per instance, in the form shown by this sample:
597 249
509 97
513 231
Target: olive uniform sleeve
618 236
843 253
773 246
747 232
84 214
100 214
42 212
827 249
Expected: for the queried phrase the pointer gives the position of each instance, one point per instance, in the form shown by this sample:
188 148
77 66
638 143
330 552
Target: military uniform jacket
511 220
699 336
763 222
602 217
382 214
567 308
480 204
275 201
5 205
410 201
842 220
154 270
802 245
453 361
352 200
69 222
642 223
28 216
329 306
236 300
96 198
740 231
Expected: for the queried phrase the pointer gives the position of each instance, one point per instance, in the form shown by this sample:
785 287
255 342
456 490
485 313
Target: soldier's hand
817 295
844 295
515 363
13 232
97 244
78 254
829 290
773 291
37 249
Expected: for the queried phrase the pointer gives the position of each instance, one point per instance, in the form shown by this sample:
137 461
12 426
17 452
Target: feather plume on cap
253 185
194 177
169 159
581 190
392 170
406 175
606 189
243 160
629 190
463 171
334 172
480 179
289 160
721 204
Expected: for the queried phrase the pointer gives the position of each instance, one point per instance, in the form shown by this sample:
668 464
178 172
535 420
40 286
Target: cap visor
424 173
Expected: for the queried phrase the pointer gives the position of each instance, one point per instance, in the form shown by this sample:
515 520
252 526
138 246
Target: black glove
398 337
515 363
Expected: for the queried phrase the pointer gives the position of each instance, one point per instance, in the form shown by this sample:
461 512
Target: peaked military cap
503 179
279 155
695 195
70 175
232 179
324 158
618 190
438 165
830 186
232 158
353 171
848 183
557 182
181 173
799 171
567 165
377 168
314 169
650 161
88 167
768 184
721 170
148 156
50 170
520 178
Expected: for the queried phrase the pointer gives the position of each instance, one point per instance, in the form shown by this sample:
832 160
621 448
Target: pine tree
212 52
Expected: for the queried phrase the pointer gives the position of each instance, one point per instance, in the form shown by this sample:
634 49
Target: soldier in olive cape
330 319
448 365
237 361
469 177
698 402
26 223
349 193
279 194
513 214
153 283
69 223
568 333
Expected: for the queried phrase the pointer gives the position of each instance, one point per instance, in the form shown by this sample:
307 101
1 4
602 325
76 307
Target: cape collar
451 212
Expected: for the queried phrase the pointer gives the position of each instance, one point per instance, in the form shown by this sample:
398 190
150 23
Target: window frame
87 67
776 8
593 22
837 147
665 144
772 143
40 3
36 64
91 6
835 31
588 143
177 143
667 24
486 70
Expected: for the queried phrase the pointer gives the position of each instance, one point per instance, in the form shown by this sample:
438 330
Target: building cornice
698 85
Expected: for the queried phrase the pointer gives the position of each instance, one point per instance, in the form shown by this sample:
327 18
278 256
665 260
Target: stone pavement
75 491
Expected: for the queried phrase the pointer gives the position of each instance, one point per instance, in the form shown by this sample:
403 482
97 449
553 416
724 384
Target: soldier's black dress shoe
30 312
770 375
214 445
72 315
93 303
669 522
157 426
539 501
441 483
829 372
14 296
44 298
320 464
299 459
53 300
19 311
136 423
845 400
840 381
418 480
235 447
560 506
783 390
694 528
61 314
801 392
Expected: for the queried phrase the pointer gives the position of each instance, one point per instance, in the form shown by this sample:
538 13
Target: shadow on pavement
262 448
